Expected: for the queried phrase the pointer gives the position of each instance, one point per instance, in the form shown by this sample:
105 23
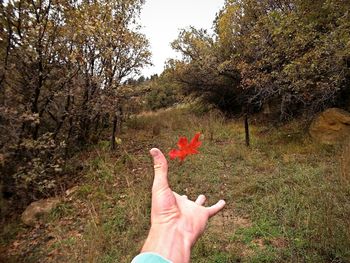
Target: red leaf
182 142
186 148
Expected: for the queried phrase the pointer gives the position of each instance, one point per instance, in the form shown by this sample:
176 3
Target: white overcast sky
161 21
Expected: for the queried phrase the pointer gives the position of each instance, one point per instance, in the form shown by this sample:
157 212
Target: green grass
286 199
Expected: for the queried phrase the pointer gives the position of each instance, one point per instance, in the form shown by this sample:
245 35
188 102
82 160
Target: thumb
160 170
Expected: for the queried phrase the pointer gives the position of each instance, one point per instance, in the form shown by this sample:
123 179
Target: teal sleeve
149 258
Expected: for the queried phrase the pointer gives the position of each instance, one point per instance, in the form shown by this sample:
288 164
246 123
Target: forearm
169 242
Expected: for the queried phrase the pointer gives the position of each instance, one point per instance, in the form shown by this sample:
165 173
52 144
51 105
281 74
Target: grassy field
288 199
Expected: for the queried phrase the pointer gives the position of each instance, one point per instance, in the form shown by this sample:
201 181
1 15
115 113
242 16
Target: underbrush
286 198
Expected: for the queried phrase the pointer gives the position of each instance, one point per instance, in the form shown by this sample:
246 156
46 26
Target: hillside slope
286 200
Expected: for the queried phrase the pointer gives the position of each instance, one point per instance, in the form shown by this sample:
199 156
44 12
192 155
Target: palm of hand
168 207
189 217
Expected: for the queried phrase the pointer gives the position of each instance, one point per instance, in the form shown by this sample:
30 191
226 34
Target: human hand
176 222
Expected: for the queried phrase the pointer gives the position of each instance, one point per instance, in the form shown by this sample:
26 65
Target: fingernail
154 152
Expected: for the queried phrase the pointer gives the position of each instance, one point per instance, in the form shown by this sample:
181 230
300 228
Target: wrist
168 241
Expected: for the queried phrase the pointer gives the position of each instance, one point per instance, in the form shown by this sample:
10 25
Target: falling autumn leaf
185 148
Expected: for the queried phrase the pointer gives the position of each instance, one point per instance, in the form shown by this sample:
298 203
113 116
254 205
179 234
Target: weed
9 232
84 191
62 210
345 160
222 258
138 123
263 229
105 145
289 188
116 222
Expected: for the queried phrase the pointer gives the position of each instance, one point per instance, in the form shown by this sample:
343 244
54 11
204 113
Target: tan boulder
31 215
331 126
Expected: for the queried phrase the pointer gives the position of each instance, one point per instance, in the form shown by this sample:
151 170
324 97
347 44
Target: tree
290 52
110 52
200 70
64 63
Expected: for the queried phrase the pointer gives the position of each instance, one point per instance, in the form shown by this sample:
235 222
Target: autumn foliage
186 148
290 56
62 69
64 66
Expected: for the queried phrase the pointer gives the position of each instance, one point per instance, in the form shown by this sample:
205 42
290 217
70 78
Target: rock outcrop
331 126
31 215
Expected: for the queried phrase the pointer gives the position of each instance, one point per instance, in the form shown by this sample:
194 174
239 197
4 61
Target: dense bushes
162 93
292 54
62 65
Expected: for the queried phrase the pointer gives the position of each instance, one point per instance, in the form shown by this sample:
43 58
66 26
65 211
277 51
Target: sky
162 20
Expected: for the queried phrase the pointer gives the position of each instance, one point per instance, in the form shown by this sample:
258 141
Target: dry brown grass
345 160
285 199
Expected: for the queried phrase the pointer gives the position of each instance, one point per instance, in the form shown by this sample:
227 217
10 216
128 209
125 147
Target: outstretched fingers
200 200
160 170
214 209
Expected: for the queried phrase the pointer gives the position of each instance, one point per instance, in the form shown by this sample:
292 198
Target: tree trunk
246 129
116 126
114 131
